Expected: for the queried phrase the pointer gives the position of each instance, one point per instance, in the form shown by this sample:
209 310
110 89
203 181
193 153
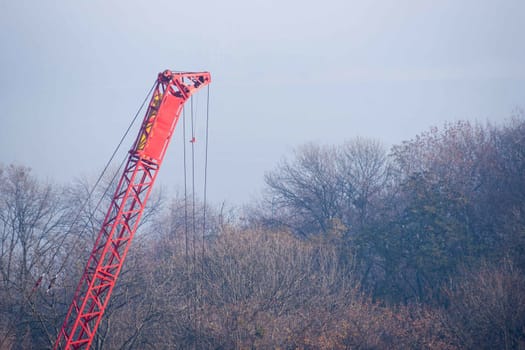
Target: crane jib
127 206
163 126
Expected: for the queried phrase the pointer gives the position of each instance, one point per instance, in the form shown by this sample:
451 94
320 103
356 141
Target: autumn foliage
351 246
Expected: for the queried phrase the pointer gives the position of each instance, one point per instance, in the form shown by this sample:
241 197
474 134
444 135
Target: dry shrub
260 290
487 307
368 325
273 291
7 336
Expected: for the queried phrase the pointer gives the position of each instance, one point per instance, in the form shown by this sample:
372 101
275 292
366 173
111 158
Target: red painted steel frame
124 213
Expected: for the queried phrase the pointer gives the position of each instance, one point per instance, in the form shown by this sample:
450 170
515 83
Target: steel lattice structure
127 206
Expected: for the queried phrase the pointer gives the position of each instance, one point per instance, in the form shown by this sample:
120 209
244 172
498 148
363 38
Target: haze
72 75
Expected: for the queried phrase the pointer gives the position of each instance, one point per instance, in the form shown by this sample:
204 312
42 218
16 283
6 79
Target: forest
350 246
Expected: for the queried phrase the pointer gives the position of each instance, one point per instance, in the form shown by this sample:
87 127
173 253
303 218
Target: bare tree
327 187
364 171
487 307
32 227
305 194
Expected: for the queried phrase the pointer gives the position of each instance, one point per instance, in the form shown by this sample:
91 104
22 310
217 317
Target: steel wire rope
90 194
204 204
185 183
186 199
191 271
194 117
193 223
192 126
193 216
186 240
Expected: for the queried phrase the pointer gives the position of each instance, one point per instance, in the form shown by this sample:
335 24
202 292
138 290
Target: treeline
351 246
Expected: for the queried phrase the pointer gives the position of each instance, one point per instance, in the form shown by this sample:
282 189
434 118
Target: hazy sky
73 73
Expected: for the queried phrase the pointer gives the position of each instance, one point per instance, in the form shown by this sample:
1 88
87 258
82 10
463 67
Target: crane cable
185 184
193 215
193 199
193 224
205 186
86 201
205 168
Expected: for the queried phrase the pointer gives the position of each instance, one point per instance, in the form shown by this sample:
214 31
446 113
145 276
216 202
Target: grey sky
73 73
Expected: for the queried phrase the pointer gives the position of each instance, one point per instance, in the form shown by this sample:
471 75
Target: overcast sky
73 73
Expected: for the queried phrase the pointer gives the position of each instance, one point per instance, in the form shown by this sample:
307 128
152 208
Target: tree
487 307
305 194
502 204
457 200
327 188
364 171
32 227
423 245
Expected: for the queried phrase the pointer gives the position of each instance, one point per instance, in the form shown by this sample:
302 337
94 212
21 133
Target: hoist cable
205 169
192 125
90 194
185 183
194 227
189 268
194 274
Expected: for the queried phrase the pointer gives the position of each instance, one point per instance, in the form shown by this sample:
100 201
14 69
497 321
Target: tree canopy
350 246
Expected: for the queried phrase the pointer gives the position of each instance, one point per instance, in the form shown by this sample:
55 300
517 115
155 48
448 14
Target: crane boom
122 219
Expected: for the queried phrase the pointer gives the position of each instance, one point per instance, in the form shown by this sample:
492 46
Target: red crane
121 221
